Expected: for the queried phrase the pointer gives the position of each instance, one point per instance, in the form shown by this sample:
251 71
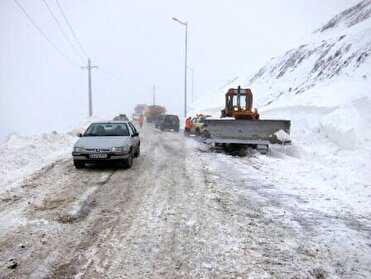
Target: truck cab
238 104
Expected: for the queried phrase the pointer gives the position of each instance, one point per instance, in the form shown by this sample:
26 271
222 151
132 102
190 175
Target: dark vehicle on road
169 122
115 141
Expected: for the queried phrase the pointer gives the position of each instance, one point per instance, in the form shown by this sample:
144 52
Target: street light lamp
185 64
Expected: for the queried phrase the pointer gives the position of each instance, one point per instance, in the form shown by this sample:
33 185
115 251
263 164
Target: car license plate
98 156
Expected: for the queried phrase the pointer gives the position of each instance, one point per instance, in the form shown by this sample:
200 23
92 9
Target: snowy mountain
349 17
340 50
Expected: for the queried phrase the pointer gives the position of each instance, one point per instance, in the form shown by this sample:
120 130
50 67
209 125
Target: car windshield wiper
89 135
117 135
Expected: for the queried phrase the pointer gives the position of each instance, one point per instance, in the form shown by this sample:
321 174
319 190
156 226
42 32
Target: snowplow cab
238 104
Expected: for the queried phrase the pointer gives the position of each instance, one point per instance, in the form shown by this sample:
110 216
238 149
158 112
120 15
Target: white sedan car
107 141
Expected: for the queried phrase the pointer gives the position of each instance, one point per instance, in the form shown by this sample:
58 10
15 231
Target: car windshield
171 118
107 129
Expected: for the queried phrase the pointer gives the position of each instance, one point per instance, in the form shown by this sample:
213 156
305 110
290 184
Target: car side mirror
79 135
135 134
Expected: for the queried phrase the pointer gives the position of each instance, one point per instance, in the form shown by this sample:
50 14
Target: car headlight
78 149
235 108
122 149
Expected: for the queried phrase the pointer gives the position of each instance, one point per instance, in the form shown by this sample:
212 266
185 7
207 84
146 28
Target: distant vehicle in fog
121 117
138 110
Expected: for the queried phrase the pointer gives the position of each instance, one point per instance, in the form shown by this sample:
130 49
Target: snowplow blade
245 131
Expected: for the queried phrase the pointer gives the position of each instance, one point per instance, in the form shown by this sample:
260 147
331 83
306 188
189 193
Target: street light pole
191 68
185 63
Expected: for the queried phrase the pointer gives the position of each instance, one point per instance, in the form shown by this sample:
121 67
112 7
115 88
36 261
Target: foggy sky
136 44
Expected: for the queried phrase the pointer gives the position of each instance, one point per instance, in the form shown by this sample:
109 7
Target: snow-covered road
179 212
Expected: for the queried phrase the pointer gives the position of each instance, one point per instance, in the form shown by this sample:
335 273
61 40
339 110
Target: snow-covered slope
341 56
324 82
24 155
349 17
322 85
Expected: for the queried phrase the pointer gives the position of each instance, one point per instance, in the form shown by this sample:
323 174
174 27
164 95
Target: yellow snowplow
240 125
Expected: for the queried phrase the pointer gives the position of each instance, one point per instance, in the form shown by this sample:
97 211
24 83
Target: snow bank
23 155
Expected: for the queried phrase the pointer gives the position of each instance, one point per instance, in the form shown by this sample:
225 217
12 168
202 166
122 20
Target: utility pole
185 70
185 62
89 67
154 94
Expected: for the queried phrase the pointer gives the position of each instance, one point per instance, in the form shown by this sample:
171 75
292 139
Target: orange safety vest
188 124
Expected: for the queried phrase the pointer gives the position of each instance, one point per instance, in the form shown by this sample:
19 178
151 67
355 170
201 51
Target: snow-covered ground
181 211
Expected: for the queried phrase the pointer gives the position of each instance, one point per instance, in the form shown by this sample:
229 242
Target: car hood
102 142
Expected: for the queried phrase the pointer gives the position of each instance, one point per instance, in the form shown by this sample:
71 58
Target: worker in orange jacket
188 126
141 120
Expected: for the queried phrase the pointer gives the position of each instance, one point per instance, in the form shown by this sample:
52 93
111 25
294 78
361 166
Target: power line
115 79
125 92
105 79
117 82
64 33
101 71
44 35
71 29
125 83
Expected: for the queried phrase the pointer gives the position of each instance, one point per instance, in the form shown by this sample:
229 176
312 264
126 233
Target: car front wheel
138 152
78 164
129 161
